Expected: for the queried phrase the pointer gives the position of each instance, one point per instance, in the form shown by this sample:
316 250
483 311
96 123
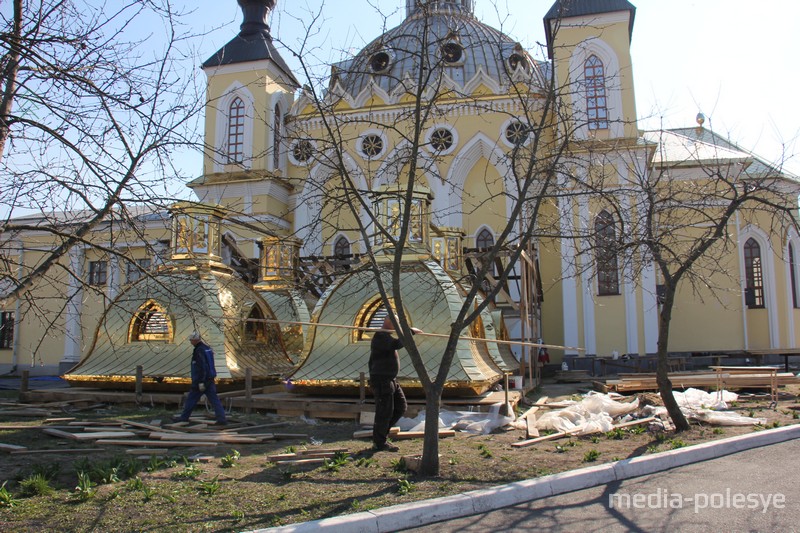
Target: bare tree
92 111
679 214
347 199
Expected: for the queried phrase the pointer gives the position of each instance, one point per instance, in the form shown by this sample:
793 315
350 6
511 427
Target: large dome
443 36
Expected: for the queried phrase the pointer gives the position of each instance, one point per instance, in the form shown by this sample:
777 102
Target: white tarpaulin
595 412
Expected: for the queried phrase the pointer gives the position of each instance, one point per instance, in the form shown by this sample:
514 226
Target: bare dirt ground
237 488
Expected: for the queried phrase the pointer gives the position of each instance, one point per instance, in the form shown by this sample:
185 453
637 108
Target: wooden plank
443 433
290 435
559 434
60 434
208 437
161 443
147 451
58 451
140 425
367 433
11 447
300 461
105 435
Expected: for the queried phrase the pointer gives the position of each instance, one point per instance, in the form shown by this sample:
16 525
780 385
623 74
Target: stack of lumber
148 438
699 380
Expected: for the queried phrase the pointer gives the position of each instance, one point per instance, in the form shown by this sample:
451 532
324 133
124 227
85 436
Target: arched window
371 315
255 328
596 102
341 253
484 240
151 323
605 243
754 275
236 117
276 139
793 276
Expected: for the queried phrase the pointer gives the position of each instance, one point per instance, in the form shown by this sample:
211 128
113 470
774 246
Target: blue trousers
211 393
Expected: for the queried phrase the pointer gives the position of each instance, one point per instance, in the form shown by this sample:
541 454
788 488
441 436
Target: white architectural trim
770 273
569 287
307 223
479 146
794 239
74 308
220 141
587 284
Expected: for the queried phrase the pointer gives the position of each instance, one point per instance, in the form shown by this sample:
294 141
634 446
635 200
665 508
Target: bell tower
589 42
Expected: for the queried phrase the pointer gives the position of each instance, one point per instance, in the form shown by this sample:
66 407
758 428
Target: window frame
235 132
754 274
138 324
596 93
7 319
98 273
607 263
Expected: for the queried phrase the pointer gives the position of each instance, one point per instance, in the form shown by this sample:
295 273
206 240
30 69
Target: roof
254 42
580 8
483 48
700 145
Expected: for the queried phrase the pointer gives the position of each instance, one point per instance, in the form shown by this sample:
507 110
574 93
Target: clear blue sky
737 61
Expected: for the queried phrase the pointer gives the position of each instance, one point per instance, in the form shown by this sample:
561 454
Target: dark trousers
390 405
194 397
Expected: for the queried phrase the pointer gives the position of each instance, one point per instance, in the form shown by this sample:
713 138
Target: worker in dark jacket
390 401
203 381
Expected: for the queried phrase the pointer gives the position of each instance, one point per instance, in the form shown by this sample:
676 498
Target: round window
517 60
442 139
452 52
302 151
379 62
517 133
371 145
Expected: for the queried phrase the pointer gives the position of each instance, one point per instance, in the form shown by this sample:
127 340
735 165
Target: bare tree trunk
429 465
662 368
9 76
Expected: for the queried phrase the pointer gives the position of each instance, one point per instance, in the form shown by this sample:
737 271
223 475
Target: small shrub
230 460
365 461
595 439
615 434
154 464
653 448
36 485
85 489
148 492
795 415
404 486
637 430
677 443
485 452
399 465
7 499
337 461
591 456
190 471
134 484
718 431
209 488
290 449
237 515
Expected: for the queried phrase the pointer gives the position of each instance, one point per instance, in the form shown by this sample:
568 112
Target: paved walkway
482 503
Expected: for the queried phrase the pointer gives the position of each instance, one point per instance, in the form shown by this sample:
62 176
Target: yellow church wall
261 88
483 199
616 35
553 304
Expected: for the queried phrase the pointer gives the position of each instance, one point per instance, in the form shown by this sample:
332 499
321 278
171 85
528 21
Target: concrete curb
415 514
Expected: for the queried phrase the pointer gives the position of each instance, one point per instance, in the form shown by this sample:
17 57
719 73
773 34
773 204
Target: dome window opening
380 62
516 61
442 140
517 133
452 53
371 145
302 151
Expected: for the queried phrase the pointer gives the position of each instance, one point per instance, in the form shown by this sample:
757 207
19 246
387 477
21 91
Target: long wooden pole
463 337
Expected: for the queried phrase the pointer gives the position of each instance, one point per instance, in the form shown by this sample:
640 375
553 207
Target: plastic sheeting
708 407
470 422
594 413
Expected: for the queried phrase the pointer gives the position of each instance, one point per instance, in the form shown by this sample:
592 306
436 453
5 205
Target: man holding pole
390 401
